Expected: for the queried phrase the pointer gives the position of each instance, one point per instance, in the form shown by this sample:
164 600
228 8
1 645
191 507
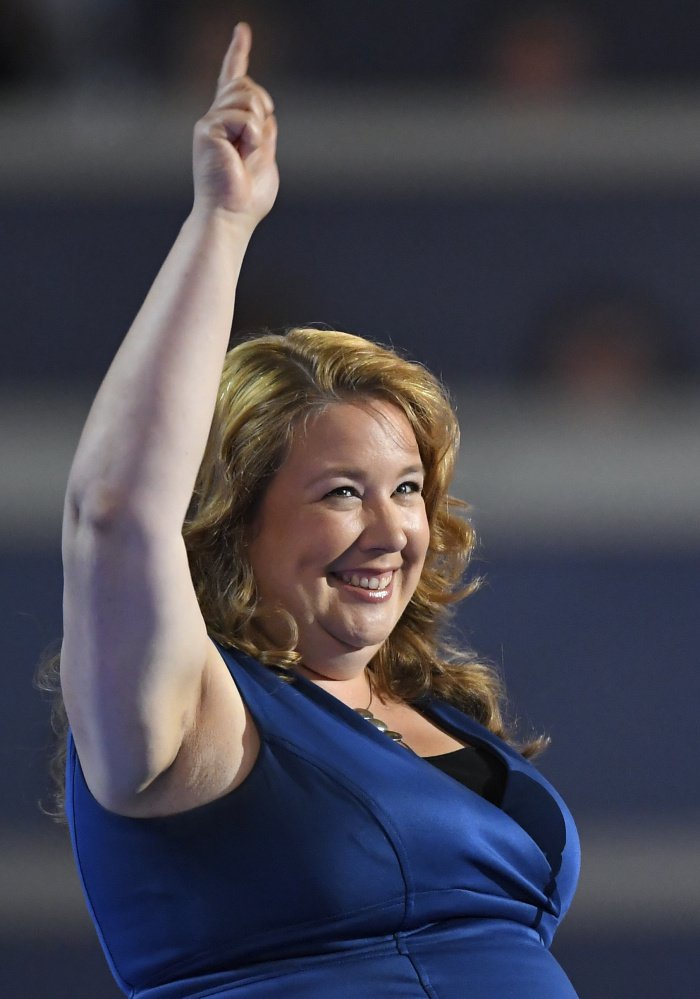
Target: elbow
96 505
110 515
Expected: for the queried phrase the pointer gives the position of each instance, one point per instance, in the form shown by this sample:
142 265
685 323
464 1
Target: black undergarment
475 768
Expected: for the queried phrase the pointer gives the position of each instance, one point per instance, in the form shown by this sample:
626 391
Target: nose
385 528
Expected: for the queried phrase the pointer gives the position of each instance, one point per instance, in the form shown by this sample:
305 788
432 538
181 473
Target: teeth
367 582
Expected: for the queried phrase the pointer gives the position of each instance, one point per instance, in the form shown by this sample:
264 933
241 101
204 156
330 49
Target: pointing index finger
235 62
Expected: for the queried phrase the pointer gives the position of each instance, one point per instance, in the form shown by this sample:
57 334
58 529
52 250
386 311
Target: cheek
329 536
422 533
312 544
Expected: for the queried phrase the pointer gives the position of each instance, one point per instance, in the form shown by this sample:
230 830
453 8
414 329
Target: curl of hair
47 680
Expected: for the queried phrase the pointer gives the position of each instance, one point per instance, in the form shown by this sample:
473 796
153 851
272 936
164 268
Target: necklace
377 722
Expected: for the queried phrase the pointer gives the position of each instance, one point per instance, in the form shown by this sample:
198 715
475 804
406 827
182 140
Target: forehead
346 432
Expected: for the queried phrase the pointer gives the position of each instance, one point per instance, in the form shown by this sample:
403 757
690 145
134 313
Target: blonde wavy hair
269 386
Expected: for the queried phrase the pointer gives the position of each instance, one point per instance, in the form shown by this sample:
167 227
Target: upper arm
137 662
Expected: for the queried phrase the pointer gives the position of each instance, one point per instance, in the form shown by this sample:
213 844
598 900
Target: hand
234 143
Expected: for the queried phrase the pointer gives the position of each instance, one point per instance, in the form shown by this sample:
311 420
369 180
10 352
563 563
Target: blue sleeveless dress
344 867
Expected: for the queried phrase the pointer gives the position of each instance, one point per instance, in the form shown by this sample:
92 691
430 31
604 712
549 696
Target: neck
354 690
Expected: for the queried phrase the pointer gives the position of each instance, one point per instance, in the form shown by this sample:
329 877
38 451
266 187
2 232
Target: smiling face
342 534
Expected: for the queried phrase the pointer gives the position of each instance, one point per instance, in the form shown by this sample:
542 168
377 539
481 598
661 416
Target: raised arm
137 665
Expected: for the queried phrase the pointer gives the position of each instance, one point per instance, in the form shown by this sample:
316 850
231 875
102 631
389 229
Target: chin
345 651
361 645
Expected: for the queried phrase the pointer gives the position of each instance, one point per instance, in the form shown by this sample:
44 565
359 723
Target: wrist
235 227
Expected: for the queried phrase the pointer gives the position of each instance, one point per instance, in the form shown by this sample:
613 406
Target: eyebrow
343 472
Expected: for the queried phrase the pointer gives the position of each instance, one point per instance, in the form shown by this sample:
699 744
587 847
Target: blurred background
510 192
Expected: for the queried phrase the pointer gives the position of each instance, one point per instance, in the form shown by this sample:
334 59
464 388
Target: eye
343 492
406 488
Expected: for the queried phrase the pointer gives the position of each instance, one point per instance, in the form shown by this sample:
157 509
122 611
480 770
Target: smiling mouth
366 582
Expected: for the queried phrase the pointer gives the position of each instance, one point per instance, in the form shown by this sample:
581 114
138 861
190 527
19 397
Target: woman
243 821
